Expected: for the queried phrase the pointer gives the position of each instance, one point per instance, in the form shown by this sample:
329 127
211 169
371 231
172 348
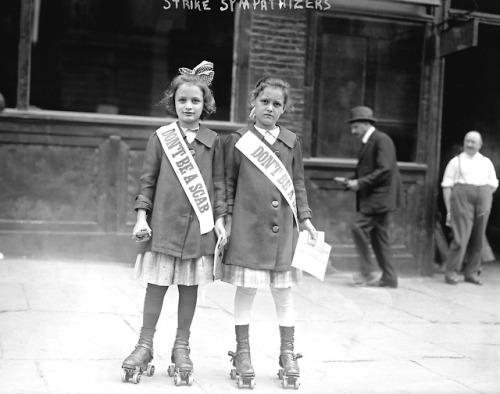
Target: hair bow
205 70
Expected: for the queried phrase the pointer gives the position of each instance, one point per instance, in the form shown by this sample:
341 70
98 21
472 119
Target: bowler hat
362 113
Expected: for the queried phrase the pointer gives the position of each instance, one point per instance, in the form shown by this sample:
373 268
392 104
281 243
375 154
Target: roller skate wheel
240 383
150 370
125 376
296 384
233 374
251 384
177 379
281 373
171 370
284 383
189 380
136 377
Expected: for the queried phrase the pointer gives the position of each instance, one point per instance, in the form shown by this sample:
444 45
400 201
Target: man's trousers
469 209
374 228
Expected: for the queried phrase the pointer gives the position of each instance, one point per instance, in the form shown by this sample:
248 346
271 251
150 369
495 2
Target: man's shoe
450 280
473 280
384 283
366 280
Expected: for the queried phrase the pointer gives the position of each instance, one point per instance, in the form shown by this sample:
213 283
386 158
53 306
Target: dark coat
263 233
175 226
380 188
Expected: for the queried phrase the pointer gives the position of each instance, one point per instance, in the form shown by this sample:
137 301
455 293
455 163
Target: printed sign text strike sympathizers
232 5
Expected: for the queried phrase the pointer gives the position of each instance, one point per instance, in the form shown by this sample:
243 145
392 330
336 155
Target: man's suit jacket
380 188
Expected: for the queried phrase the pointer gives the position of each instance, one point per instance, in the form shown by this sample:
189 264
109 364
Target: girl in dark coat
180 203
262 220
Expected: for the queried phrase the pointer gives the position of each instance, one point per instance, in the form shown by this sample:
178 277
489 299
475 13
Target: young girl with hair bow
180 214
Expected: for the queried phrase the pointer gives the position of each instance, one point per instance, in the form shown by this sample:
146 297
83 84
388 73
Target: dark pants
470 209
374 227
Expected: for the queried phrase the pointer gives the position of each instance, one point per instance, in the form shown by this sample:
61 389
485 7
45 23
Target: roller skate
242 363
182 366
289 373
138 363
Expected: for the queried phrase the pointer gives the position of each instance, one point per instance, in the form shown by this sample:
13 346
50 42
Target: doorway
471 101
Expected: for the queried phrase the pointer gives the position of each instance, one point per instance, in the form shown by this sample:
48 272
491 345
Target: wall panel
69 190
334 210
69 181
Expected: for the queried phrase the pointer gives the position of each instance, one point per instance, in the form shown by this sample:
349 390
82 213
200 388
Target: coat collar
364 146
367 135
203 135
286 136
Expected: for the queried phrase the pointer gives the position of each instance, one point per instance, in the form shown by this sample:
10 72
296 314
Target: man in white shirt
468 184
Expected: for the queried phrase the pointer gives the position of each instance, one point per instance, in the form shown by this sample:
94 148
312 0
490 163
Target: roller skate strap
233 355
295 356
183 347
145 346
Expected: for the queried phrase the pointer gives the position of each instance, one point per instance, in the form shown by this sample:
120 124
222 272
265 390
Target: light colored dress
163 270
247 277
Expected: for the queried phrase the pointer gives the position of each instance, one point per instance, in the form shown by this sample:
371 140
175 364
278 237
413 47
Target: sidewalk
66 326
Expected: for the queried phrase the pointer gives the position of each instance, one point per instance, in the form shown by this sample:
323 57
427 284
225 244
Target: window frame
29 14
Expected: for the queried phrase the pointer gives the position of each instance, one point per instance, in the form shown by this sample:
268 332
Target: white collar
274 132
473 157
184 129
190 133
367 135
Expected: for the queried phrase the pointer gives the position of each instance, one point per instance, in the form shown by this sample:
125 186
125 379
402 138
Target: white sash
273 168
188 174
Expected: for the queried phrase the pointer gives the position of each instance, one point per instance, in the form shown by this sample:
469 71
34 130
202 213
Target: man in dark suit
378 188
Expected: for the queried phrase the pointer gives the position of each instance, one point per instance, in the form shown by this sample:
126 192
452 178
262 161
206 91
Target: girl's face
269 105
189 105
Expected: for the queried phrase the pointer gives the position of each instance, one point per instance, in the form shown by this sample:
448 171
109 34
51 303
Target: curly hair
273 82
208 97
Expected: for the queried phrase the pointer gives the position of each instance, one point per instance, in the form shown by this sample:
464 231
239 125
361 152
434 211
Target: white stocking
243 301
283 301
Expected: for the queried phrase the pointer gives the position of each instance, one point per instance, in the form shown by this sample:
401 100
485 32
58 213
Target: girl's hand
221 231
308 226
141 231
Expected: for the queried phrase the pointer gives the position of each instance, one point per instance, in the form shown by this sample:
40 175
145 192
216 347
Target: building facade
83 79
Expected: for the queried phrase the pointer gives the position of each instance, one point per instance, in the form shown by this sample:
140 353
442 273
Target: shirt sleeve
492 176
450 173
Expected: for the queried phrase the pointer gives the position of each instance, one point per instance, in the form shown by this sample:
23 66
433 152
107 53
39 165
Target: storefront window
366 62
485 6
10 13
117 56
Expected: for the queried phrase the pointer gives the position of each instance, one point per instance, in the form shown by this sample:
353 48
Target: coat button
275 204
276 229
277 153
191 217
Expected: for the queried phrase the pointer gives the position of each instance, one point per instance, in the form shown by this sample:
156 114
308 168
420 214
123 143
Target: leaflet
312 255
